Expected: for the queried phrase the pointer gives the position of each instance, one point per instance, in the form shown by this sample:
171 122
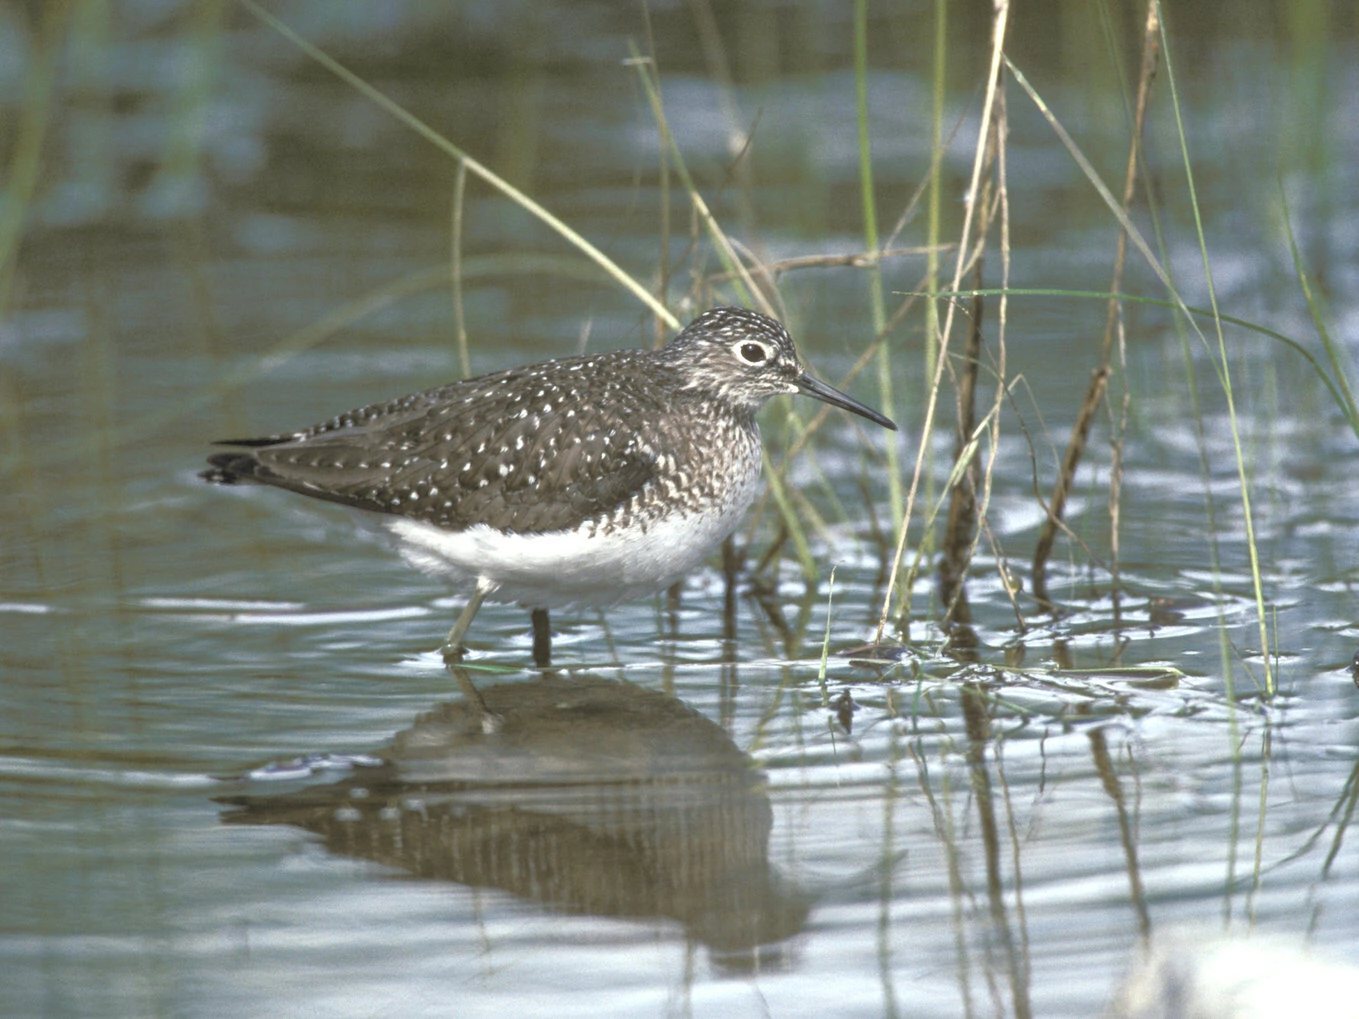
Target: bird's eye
753 353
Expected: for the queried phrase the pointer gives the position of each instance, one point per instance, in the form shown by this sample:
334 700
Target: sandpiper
576 481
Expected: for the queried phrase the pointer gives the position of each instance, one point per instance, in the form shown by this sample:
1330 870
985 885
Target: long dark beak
829 394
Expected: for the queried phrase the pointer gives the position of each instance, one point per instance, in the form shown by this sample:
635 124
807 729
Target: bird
577 481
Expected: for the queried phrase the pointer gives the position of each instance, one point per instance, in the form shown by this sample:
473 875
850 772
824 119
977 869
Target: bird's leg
453 642
542 639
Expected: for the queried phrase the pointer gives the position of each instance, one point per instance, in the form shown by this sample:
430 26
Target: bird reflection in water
585 794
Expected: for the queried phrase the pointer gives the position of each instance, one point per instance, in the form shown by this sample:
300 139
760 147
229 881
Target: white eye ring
752 352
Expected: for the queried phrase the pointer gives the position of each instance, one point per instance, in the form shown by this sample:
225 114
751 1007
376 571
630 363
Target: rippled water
236 777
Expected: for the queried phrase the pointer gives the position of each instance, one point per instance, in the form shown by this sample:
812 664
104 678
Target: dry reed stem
992 88
1095 392
962 509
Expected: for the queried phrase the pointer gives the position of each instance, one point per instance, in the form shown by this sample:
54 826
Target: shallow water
235 776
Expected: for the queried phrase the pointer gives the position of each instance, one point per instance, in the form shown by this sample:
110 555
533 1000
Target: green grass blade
500 184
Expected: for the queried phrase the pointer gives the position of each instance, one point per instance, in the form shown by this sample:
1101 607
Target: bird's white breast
592 564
